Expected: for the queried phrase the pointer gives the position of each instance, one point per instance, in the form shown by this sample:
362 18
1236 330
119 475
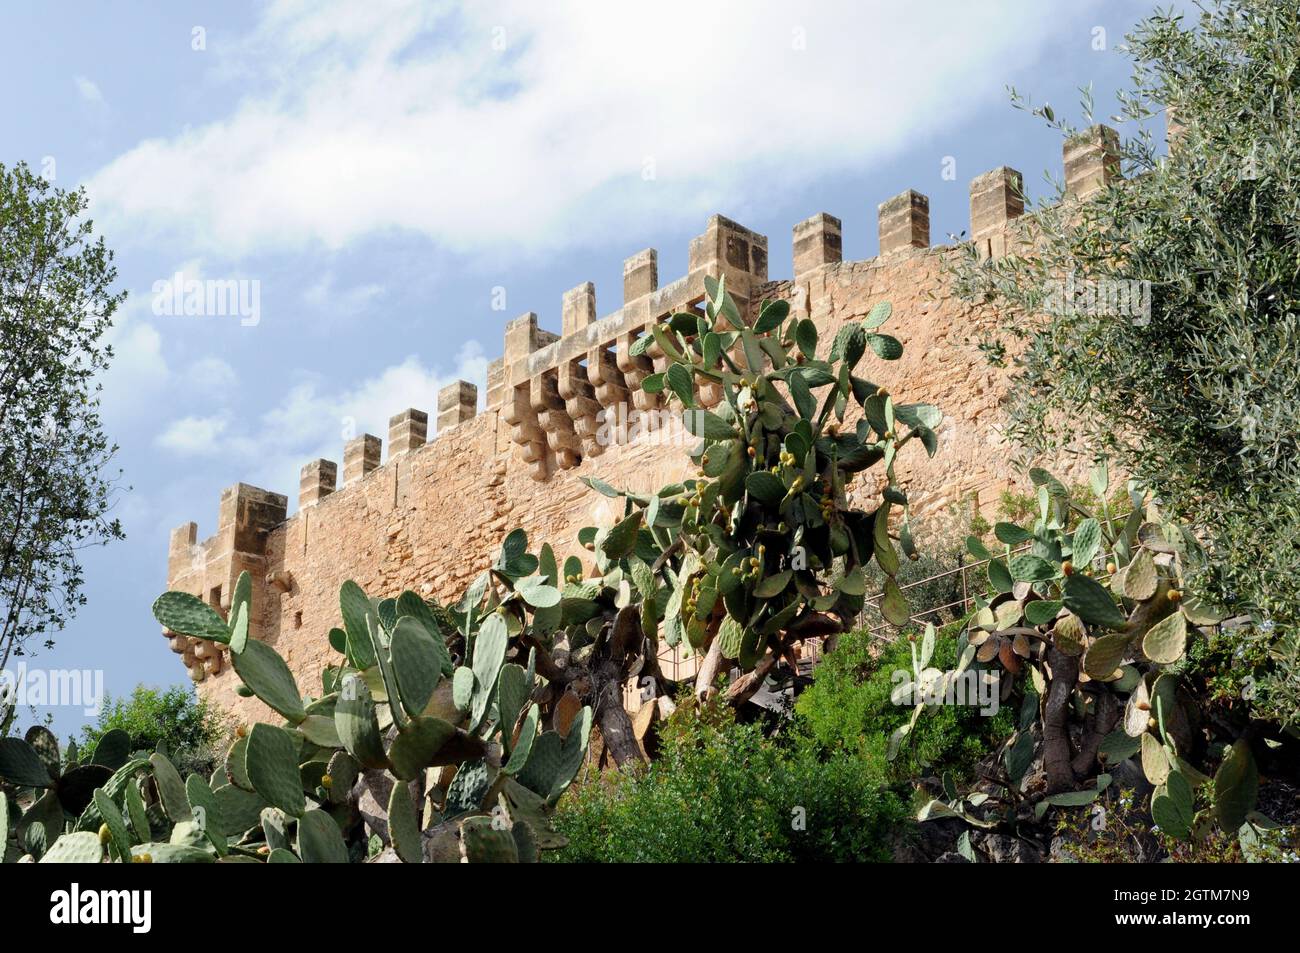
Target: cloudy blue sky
381 167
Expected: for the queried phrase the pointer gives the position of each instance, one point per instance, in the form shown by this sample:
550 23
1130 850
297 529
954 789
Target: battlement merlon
181 549
996 197
903 222
818 241
360 456
245 516
457 403
407 431
1091 159
317 480
640 274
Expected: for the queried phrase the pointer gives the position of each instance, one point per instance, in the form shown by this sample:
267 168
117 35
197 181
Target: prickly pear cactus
453 729
1086 616
759 551
449 734
763 547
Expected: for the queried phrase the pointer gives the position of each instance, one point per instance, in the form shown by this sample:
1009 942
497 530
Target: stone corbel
581 406
554 419
526 431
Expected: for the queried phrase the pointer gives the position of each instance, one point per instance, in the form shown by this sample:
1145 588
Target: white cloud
211 376
311 421
341 302
137 350
88 90
369 118
139 371
193 436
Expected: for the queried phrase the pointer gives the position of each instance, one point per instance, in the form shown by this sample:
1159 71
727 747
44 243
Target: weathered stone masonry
432 515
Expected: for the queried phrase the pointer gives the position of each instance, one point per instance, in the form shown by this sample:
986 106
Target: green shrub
721 792
1020 508
848 709
187 727
1231 662
1128 836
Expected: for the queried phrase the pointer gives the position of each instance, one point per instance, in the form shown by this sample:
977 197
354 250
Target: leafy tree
174 719
1198 398
56 303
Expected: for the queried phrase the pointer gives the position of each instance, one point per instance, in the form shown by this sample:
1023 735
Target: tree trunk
1056 712
743 688
613 719
1098 725
708 671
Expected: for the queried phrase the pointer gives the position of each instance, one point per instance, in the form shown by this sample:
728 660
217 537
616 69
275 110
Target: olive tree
1194 390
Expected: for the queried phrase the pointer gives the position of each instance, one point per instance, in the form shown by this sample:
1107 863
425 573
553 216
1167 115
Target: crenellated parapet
552 390
545 401
248 515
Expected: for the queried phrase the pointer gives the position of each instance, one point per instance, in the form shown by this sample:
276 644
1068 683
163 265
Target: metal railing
958 607
967 600
671 659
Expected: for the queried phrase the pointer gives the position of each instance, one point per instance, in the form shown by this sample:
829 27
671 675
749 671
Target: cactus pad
404 826
79 847
357 724
272 765
260 668
319 839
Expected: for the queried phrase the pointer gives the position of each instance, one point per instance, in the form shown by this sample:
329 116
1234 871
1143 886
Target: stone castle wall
432 515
